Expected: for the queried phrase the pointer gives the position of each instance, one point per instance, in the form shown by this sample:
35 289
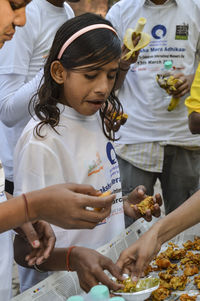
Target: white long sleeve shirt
21 61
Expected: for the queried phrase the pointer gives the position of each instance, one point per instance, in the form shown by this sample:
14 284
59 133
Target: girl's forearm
12 214
185 216
13 211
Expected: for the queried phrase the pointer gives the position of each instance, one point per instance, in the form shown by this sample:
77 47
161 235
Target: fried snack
188 245
165 284
178 282
192 245
172 244
177 254
160 294
165 276
197 281
106 193
146 204
196 244
191 269
191 258
163 263
186 297
129 285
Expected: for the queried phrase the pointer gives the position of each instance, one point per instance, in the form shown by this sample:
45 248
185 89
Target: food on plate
137 286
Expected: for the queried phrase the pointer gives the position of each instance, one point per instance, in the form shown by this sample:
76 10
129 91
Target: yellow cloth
193 101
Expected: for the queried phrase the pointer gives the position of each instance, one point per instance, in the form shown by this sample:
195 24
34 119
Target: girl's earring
57 72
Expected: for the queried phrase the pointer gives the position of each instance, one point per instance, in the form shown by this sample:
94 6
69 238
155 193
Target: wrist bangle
26 208
68 258
38 269
124 70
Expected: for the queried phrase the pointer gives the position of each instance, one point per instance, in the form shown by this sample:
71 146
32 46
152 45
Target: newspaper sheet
61 285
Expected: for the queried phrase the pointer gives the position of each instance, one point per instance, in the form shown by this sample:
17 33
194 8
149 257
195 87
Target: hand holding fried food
146 204
106 193
133 201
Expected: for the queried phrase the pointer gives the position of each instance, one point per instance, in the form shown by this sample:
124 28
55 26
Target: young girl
68 141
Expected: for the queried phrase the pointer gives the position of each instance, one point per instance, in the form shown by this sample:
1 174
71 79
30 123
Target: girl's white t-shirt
80 153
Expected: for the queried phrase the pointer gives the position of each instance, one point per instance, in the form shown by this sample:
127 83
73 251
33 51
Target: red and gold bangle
26 207
68 258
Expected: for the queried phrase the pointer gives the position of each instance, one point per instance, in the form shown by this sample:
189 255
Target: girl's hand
135 259
46 240
90 266
135 197
35 253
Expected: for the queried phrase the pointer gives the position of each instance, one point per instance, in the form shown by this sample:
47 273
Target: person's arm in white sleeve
15 97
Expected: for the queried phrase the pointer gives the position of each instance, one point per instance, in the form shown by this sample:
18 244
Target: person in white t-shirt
21 70
67 140
155 143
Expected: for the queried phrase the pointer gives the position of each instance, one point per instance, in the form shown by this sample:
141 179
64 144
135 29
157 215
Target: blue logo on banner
158 31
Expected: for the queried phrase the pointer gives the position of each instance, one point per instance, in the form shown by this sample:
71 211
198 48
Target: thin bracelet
124 70
68 256
38 269
26 207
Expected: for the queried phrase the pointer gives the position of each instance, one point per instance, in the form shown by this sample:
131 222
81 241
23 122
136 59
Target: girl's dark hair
97 47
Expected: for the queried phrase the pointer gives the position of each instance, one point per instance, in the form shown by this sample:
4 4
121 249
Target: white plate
137 296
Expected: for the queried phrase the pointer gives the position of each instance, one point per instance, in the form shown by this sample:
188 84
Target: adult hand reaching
135 259
90 266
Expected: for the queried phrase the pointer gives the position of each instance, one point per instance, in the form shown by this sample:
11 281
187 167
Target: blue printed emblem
111 153
158 31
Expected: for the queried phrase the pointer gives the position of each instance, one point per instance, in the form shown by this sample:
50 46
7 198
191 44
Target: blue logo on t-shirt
111 153
158 31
